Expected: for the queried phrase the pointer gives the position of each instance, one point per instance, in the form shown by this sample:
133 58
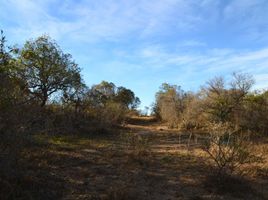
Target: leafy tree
105 88
170 103
4 55
74 97
11 86
12 91
108 92
102 92
5 86
127 98
46 69
255 113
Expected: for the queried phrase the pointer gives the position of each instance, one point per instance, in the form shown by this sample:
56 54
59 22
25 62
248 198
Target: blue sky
140 44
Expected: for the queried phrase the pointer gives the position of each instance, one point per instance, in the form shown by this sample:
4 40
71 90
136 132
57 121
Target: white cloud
207 64
102 20
117 20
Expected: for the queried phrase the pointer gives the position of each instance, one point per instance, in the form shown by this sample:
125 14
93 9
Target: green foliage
255 113
108 92
42 91
126 97
46 69
12 90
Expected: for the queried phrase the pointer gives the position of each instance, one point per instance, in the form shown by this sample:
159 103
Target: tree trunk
44 100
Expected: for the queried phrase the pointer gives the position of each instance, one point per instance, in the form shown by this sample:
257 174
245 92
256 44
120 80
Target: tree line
218 101
41 88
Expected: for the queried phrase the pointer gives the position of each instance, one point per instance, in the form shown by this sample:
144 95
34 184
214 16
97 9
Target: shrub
137 147
229 149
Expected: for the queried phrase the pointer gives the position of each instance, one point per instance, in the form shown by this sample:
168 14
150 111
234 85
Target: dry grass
141 161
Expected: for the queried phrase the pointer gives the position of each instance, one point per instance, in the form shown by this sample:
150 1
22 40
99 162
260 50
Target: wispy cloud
114 20
109 20
207 64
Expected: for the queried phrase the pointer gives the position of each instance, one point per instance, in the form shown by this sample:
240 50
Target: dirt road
144 160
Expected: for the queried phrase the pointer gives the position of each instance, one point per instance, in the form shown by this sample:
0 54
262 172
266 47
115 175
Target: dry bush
229 149
193 116
137 147
111 114
58 120
169 114
170 104
231 152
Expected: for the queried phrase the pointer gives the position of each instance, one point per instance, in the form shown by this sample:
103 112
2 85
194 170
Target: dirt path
142 161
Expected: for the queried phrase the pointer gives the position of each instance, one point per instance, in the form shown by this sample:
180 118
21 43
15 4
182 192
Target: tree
5 81
11 86
46 69
255 113
127 98
170 103
225 104
4 55
217 102
103 92
74 97
106 92
13 94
